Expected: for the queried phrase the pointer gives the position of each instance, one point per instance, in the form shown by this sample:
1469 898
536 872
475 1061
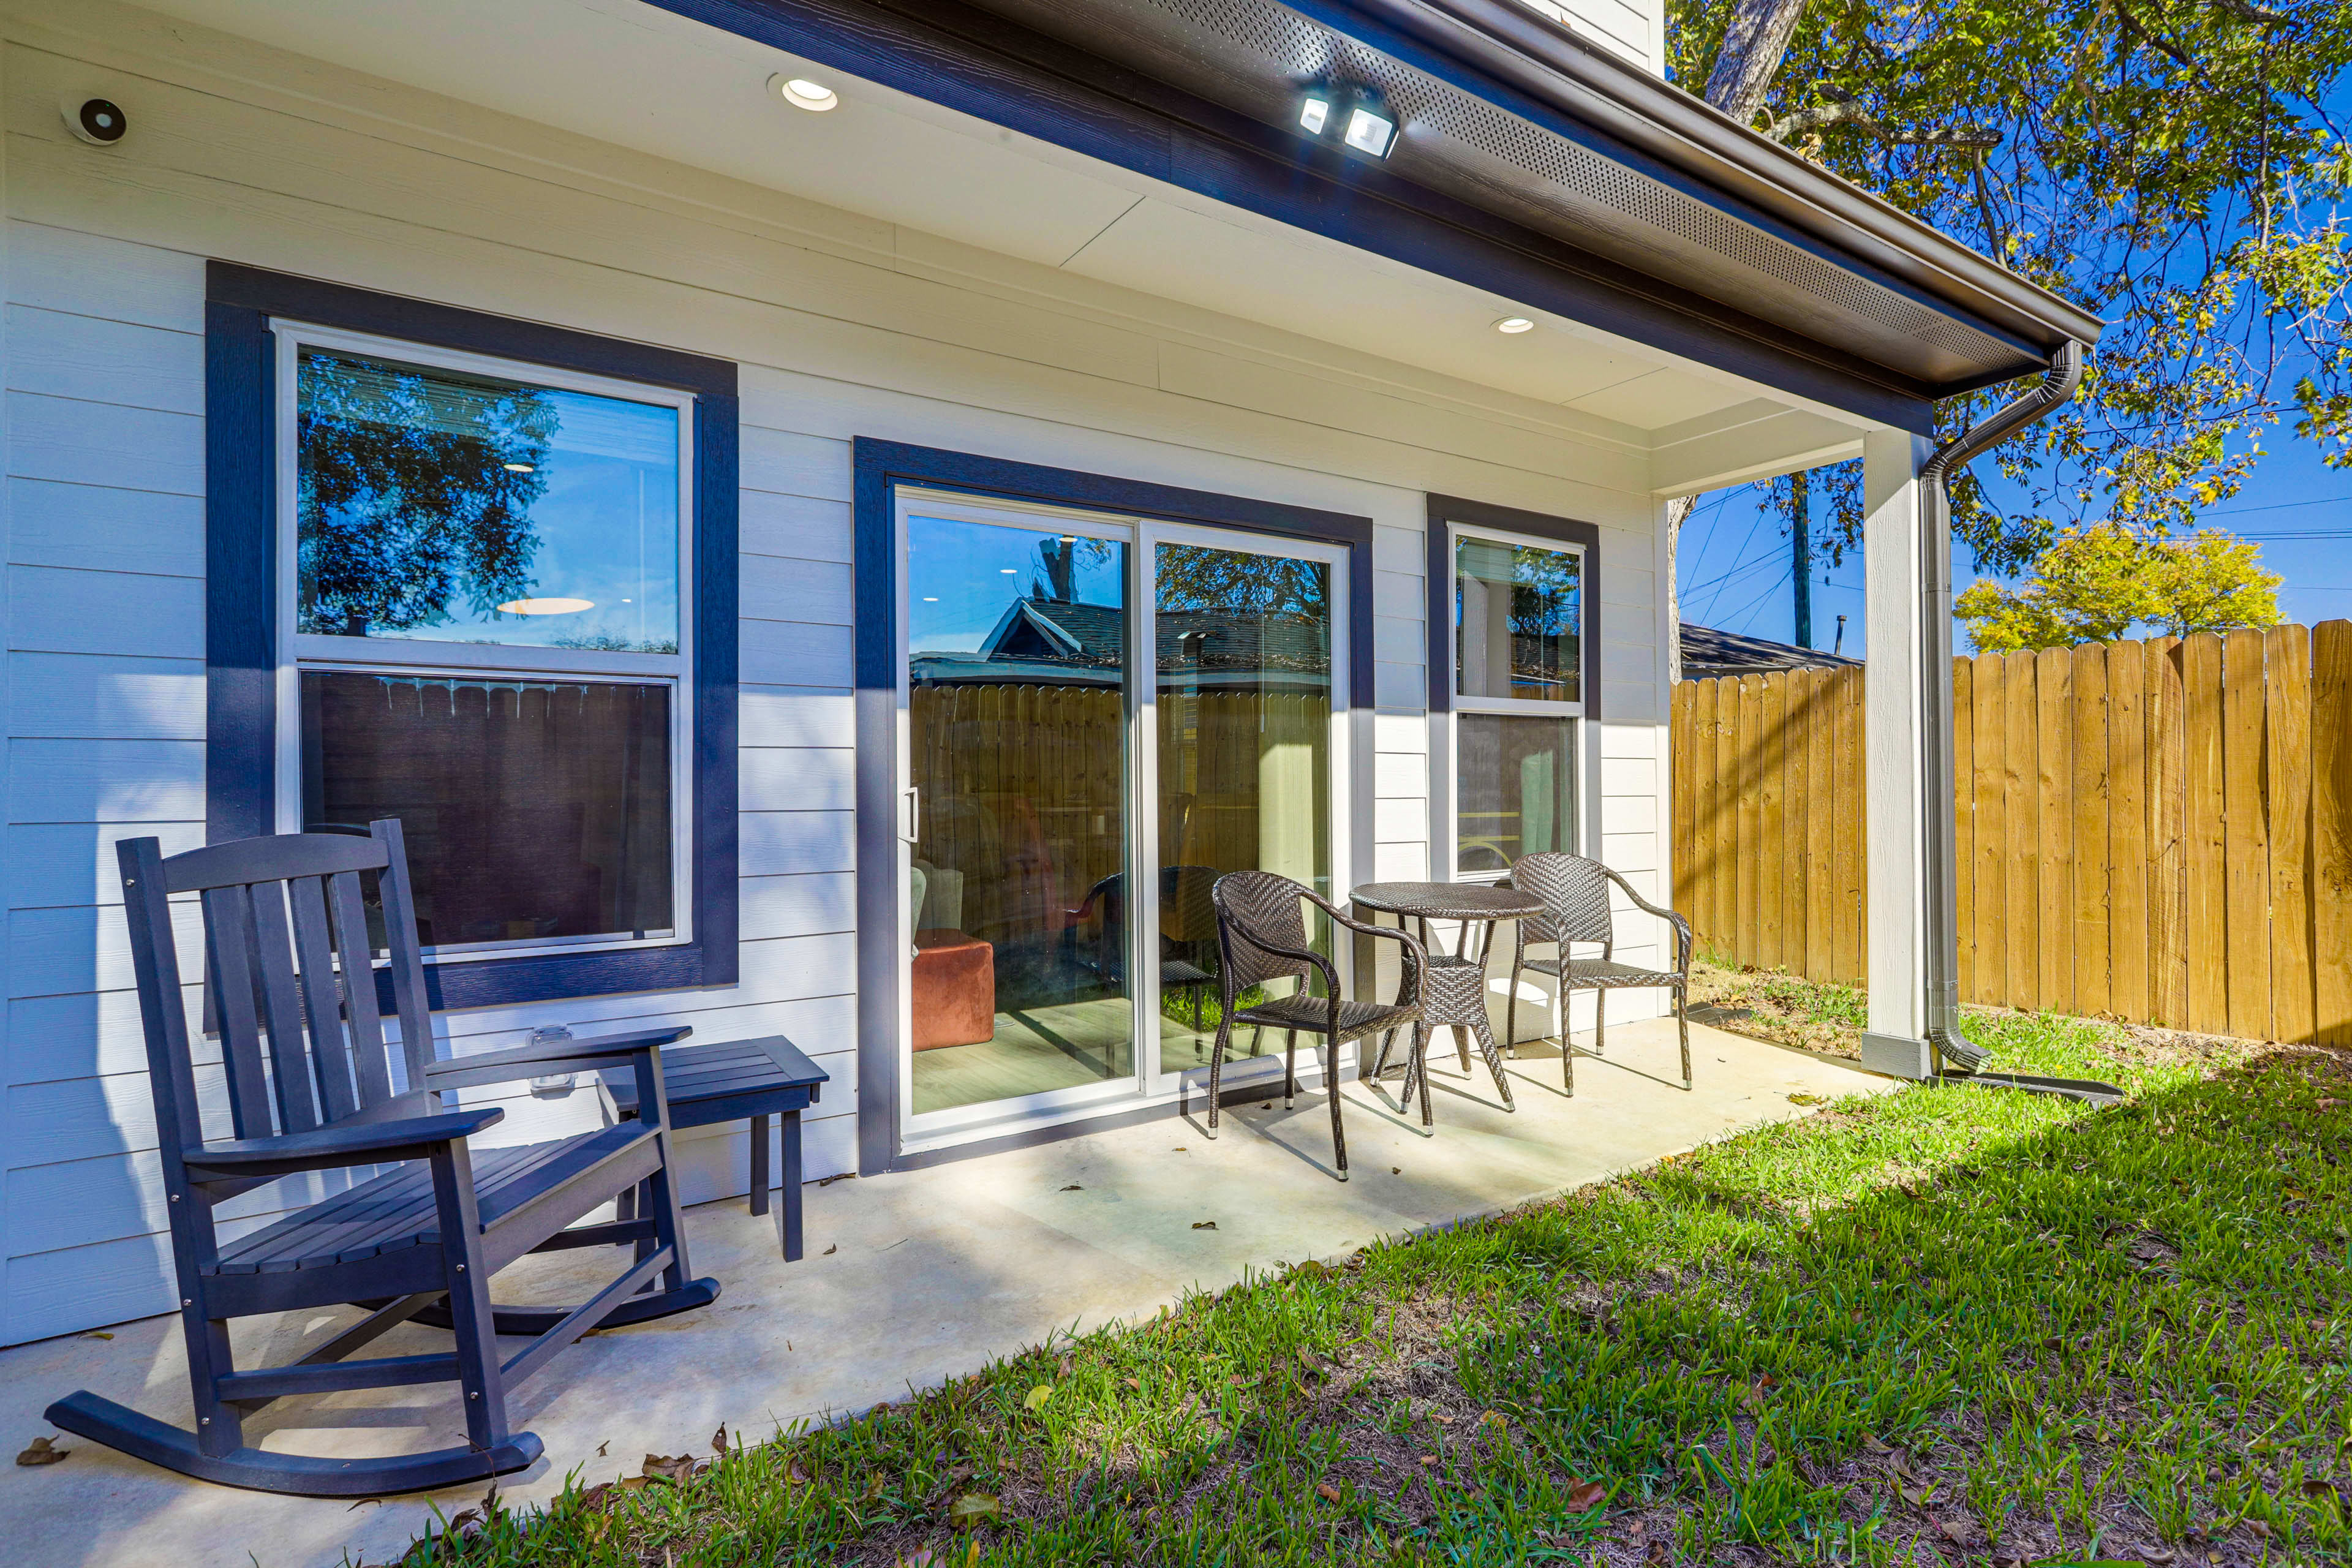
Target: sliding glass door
1091 706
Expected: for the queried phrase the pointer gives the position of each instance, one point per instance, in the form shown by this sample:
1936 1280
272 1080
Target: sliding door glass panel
1518 789
1244 698
1017 696
1515 621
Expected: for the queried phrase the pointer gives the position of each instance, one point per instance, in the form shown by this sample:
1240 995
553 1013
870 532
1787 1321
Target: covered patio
908 1282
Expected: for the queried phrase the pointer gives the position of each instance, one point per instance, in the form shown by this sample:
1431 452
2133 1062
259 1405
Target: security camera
96 120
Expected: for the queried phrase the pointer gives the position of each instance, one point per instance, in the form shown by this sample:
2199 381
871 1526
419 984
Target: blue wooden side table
736 1080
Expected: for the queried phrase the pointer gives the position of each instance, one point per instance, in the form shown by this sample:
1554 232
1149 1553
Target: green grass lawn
1949 1324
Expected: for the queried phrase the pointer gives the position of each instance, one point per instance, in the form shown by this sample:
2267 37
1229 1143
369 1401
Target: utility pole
1801 533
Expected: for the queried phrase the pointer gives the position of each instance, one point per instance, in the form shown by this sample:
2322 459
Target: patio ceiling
952 192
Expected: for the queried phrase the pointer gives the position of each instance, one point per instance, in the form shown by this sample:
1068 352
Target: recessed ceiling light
546 606
1514 325
1007 571
1315 110
803 93
930 598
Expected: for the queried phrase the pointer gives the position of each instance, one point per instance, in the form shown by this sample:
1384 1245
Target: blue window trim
241 593
881 467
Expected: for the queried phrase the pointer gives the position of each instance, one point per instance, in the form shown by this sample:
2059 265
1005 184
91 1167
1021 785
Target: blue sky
1736 568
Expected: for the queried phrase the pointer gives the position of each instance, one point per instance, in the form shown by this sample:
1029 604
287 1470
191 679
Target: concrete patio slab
910 1279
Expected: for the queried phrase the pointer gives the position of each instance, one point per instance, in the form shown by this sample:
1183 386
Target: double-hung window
479 574
1513 657
479 571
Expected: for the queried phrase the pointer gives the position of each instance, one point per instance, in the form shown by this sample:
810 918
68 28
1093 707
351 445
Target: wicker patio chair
1262 936
1575 894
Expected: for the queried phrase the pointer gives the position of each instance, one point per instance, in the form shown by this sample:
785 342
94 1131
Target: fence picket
2127 854
1992 682
2022 918
2286 788
2054 701
2245 853
2331 830
1852 942
2093 969
1820 823
1964 820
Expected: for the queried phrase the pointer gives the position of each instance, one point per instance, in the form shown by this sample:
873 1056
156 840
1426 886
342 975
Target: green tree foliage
2093 584
415 488
2170 164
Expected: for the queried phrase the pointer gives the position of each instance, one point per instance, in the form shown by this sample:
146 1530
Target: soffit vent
1253 55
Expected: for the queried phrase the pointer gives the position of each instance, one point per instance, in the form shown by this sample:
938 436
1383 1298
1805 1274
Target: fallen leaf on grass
1204 1224
1657 1552
795 1474
719 1439
602 1446
973 1509
1037 1397
1064 1367
1583 1497
1429 1460
1326 1491
675 1470
1442 1418
1872 1445
1809 1099
1135 1384
42 1452
829 1251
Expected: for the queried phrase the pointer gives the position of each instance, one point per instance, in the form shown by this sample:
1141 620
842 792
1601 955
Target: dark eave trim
1546 59
976 63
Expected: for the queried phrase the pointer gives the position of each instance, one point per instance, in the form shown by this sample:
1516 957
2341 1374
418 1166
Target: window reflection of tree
415 488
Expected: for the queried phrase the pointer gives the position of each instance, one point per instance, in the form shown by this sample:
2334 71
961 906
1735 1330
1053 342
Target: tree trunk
1752 48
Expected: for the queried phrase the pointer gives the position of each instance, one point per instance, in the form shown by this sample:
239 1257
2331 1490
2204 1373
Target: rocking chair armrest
1681 926
351 1144
541 1057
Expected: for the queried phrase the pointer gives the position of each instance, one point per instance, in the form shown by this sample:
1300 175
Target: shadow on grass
1947 1324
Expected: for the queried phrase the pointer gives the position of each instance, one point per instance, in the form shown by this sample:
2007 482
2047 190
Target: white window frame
1458 704
298 651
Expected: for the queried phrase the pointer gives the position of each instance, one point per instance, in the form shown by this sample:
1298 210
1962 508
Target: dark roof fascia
978 63
1546 59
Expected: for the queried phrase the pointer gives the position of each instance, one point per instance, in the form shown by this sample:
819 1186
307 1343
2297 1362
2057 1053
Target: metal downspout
1942 946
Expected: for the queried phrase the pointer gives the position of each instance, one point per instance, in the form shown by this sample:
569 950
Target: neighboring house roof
1709 653
1054 642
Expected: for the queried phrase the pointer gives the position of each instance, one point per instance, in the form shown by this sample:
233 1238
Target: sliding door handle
910 814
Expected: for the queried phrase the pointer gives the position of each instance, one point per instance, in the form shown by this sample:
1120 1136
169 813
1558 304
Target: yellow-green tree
2094 585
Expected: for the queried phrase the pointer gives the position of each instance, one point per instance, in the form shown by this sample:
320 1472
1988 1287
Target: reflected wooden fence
1024 789
2157 831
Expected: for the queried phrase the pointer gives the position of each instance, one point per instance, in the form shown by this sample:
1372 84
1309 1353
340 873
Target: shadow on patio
910 1279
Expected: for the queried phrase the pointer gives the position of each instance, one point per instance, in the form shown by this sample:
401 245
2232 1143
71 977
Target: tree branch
1850 112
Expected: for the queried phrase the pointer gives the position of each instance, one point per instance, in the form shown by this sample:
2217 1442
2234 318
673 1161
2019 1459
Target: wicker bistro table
732 1080
1454 992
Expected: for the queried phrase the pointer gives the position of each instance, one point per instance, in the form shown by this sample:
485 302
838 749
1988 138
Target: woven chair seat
1601 974
1313 1014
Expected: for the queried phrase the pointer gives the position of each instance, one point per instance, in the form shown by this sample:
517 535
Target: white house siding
1635 29
843 326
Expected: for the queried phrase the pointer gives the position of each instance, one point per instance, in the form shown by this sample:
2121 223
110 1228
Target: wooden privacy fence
2157 831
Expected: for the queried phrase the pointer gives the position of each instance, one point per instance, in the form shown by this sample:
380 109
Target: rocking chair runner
423 1238
1575 894
1262 936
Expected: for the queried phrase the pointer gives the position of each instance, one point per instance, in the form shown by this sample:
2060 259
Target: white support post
1894 788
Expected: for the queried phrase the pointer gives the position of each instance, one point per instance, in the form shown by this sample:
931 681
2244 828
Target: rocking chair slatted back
291 969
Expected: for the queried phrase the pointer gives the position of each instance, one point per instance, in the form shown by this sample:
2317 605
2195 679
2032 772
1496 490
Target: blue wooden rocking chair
419 1241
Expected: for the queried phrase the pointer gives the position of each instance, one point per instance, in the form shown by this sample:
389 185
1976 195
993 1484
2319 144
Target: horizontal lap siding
837 337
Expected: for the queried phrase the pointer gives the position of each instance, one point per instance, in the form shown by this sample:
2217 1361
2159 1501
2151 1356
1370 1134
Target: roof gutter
1546 61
